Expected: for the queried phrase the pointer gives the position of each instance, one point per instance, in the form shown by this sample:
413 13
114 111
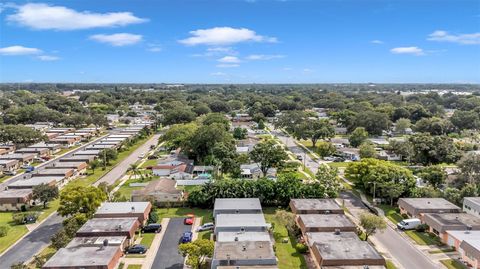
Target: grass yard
45 254
175 212
443 250
205 235
390 265
147 239
148 163
14 233
287 254
187 188
134 266
453 264
391 213
424 238
338 164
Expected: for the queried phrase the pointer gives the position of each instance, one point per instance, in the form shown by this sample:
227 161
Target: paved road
290 143
403 251
31 244
3 185
167 254
119 170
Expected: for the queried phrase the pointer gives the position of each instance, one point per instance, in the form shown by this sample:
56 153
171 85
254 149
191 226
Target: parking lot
167 255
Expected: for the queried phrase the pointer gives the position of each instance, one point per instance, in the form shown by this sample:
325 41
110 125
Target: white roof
242 236
237 204
240 220
122 207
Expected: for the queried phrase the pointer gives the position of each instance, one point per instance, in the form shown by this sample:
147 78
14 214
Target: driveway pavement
32 243
167 255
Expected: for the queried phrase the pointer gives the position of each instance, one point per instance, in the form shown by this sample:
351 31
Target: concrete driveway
167 255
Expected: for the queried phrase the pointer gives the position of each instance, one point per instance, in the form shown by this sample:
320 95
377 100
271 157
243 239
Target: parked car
206 227
189 219
141 156
136 249
186 237
152 228
25 166
30 219
30 169
152 157
299 157
9 173
408 224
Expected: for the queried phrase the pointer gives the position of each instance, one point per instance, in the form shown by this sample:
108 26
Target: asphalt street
118 171
31 244
403 251
167 255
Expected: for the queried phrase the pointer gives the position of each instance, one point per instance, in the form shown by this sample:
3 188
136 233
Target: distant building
417 207
471 205
253 171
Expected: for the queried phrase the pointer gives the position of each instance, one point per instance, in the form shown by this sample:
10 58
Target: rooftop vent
337 231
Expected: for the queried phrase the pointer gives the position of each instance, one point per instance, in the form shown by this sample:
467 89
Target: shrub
4 230
301 248
422 228
405 216
153 217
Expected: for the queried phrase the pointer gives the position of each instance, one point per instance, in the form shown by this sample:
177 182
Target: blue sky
318 41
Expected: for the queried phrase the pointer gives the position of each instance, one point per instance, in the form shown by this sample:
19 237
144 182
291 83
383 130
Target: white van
408 224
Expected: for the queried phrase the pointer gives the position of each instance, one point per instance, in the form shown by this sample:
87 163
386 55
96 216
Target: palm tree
135 170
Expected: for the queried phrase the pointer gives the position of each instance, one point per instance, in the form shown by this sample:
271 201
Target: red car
189 219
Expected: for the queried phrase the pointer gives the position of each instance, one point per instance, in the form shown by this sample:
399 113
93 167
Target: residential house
240 223
440 223
15 199
8 165
325 223
139 210
110 227
162 190
237 206
29 183
78 158
247 254
417 207
342 249
178 170
7 149
22 158
351 154
253 171
471 205
53 148
315 206
467 243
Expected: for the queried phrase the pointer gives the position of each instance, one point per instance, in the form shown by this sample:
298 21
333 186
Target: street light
374 186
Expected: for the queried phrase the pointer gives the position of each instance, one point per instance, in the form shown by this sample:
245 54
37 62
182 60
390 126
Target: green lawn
14 233
174 212
338 164
134 266
443 250
147 239
390 265
391 213
453 264
424 238
287 254
149 163
187 188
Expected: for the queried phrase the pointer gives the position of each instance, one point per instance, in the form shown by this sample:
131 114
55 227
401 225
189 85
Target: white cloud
117 40
376 41
224 36
229 59
260 57
43 17
227 65
408 50
48 58
287 69
465 39
154 48
307 70
19 50
220 74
